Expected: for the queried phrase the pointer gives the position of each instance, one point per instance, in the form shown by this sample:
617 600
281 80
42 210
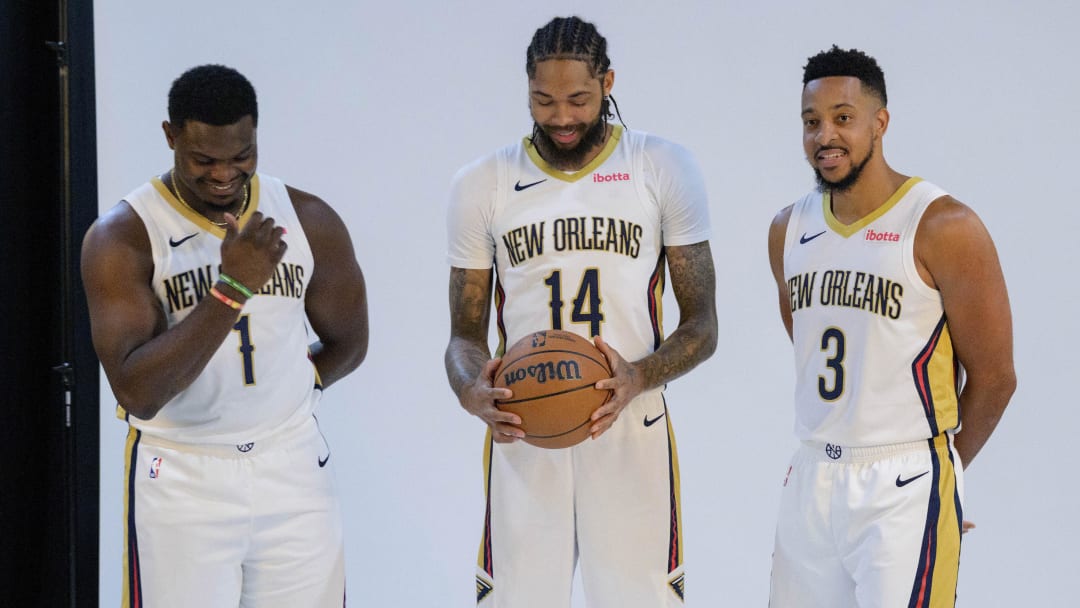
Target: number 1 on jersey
246 349
586 303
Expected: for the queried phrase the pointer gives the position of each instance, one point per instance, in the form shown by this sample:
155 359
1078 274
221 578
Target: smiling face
213 163
842 128
565 100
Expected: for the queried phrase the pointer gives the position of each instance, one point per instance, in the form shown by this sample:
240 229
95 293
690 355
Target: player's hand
624 384
966 526
479 399
250 254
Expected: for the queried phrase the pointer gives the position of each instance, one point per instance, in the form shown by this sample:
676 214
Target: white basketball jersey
874 361
580 251
261 375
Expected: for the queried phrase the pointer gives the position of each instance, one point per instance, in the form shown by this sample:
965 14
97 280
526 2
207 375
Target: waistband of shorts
832 452
282 438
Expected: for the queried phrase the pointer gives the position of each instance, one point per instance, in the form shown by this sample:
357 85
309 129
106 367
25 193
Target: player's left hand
625 383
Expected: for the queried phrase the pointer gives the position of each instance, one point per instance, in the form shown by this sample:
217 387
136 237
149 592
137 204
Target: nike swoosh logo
806 239
518 187
650 422
175 243
323 461
903 482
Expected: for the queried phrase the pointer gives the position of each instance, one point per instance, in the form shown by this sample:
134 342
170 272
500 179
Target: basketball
552 373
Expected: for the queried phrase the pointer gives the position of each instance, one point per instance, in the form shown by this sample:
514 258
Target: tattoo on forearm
694 283
469 314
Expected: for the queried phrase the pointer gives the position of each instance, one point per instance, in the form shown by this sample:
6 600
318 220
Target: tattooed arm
693 281
469 366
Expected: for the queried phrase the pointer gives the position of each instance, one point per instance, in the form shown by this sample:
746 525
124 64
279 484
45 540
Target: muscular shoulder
946 226
318 218
949 233
777 236
117 239
118 228
780 221
947 217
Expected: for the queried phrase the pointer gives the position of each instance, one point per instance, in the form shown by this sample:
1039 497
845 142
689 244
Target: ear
170 136
608 82
881 121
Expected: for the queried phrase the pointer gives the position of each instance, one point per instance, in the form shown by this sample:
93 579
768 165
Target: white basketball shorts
612 502
869 527
256 524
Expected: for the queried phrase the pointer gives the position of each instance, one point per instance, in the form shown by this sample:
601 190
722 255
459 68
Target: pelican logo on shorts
245 447
833 451
155 467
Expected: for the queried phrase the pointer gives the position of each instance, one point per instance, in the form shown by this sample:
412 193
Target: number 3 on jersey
586 303
832 343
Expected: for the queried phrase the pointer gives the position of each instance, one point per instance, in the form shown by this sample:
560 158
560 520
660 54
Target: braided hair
854 63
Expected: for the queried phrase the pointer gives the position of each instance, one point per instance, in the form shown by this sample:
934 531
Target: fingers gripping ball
552 374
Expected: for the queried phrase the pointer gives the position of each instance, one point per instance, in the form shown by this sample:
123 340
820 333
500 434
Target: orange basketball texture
551 374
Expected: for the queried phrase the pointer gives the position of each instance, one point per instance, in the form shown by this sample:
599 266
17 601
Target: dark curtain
48 198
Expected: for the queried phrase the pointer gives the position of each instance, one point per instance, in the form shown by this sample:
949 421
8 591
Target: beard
845 183
569 158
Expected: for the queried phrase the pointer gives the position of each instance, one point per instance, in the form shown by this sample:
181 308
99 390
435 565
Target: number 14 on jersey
586 304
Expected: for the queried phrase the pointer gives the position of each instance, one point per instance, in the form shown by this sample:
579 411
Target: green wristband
237 285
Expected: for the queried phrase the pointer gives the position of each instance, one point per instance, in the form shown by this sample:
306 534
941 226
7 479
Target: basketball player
199 283
574 228
892 293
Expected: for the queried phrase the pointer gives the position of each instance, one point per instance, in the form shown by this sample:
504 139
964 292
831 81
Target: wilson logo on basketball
872 235
549 370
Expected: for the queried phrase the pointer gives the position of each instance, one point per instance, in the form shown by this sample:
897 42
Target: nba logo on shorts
155 467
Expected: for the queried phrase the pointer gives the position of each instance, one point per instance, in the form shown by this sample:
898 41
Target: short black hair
214 94
851 62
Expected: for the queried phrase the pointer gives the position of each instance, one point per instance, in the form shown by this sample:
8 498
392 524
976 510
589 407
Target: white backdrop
374 105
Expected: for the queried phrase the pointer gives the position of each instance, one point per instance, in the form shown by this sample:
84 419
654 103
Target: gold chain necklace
180 197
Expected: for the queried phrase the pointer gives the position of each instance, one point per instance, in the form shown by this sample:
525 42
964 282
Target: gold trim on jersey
846 230
936 575
941 372
483 559
609 148
934 372
675 556
130 585
656 299
197 218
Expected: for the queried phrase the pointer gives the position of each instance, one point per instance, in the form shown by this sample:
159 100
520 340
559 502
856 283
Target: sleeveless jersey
261 376
873 358
580 251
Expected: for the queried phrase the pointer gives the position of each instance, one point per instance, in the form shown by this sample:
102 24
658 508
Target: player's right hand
479 399
250 254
